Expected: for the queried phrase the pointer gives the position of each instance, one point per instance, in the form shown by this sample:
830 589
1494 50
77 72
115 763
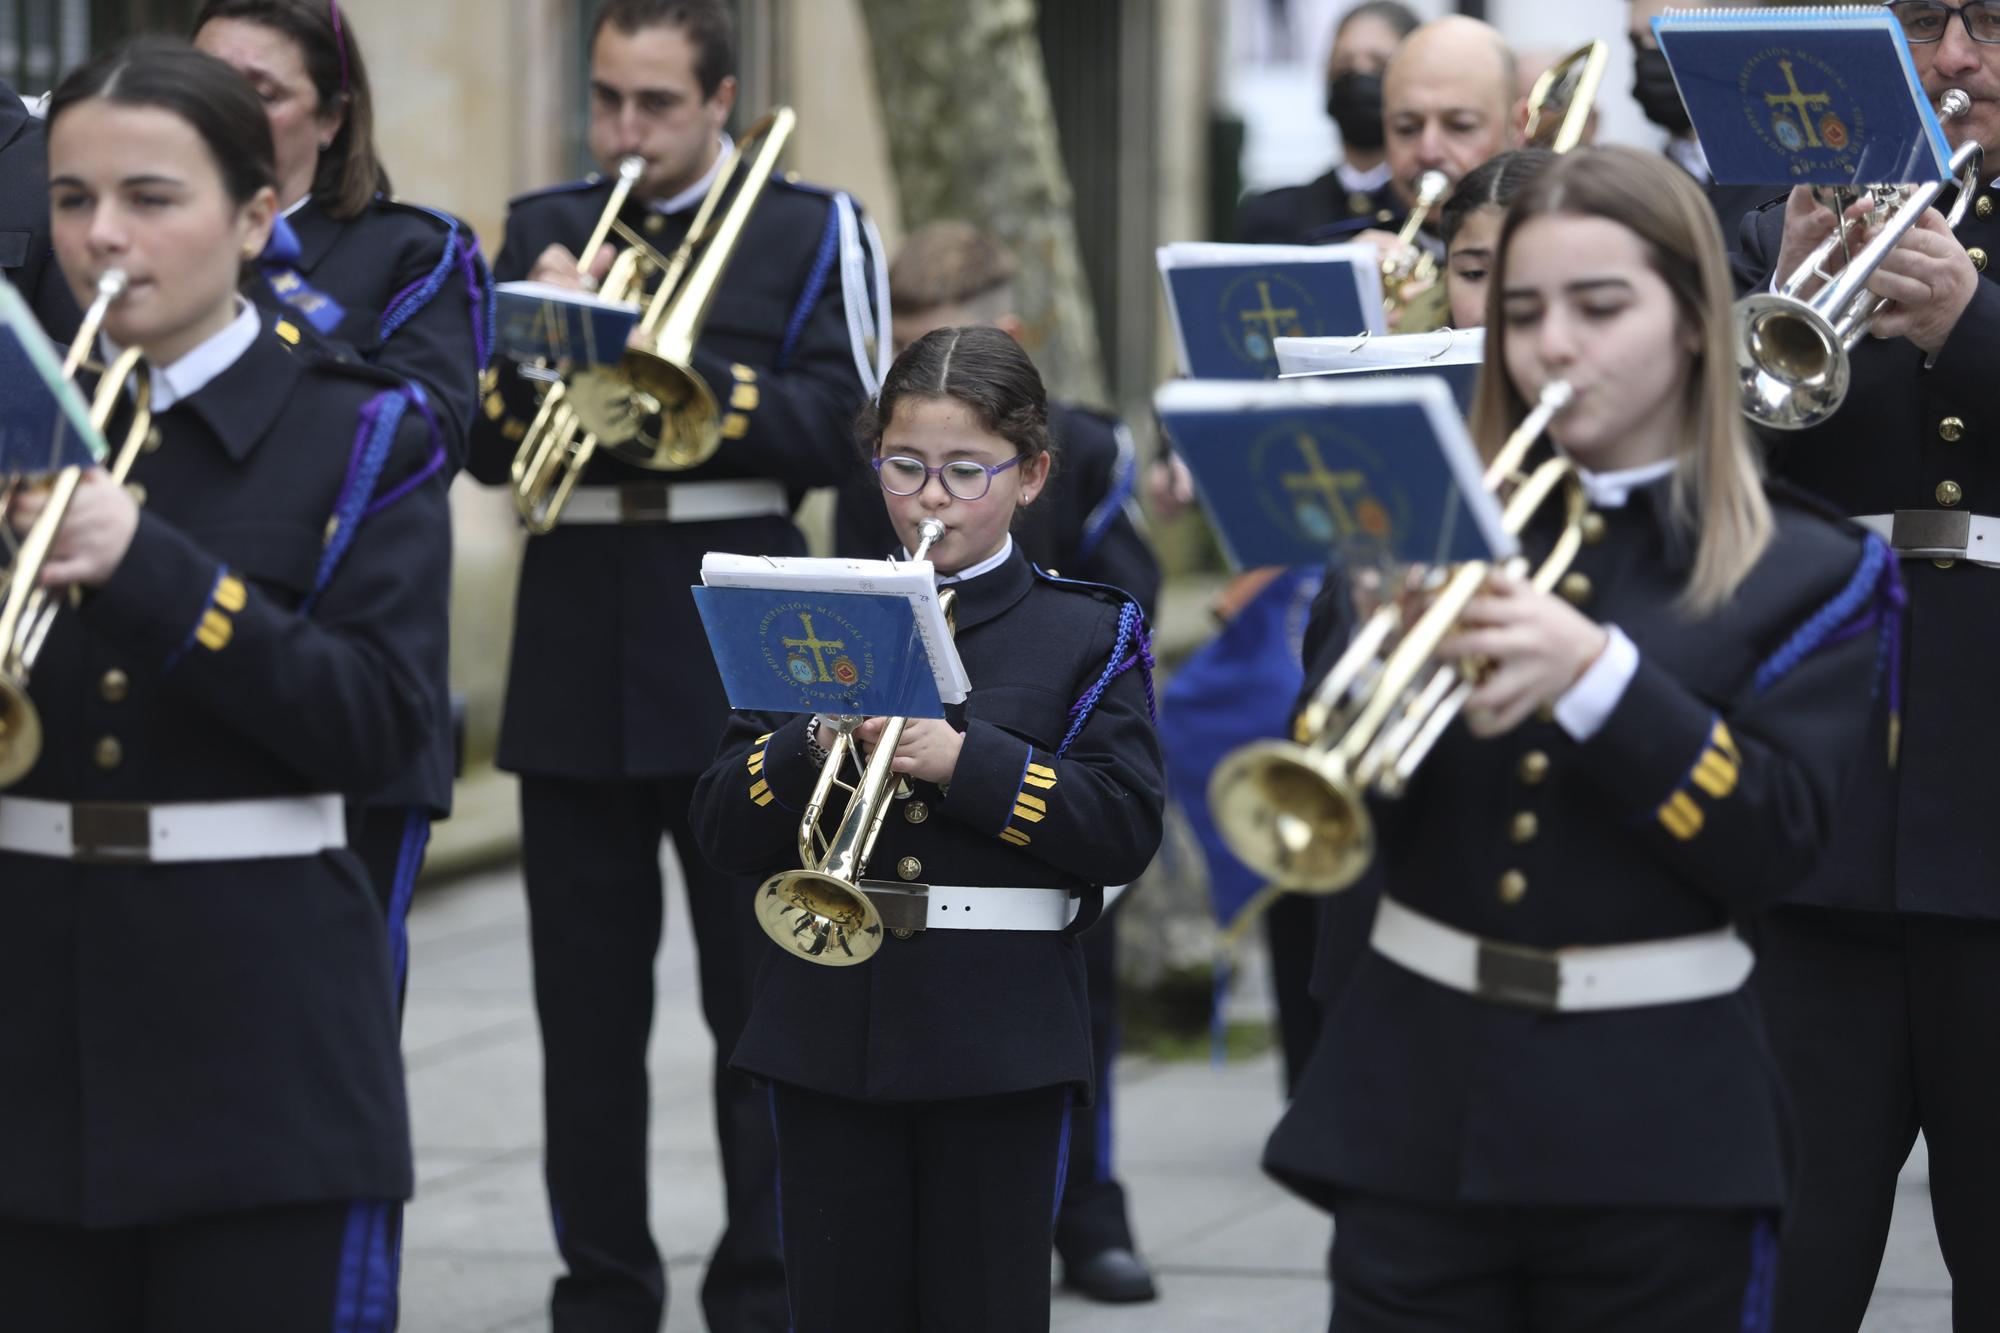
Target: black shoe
1115 1276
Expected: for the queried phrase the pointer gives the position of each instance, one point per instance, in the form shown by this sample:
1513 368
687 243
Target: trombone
1792 351
1294 811
652 409
29 610
1561 102
823 912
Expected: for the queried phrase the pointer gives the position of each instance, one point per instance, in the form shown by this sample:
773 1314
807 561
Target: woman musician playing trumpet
921 1097
1543 1101
204 1126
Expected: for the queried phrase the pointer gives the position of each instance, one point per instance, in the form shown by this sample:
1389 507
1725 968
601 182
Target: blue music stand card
1813 96
1373 471
783 650
44 424
1453 355
539 321
1229 304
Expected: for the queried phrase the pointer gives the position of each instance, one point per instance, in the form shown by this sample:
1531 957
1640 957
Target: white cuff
1585 706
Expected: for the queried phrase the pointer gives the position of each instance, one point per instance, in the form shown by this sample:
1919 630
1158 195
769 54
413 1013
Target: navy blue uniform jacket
401 286
1711 791
1081 526
1920 838
25 255
195 1039
1320 210
611 676
961 1013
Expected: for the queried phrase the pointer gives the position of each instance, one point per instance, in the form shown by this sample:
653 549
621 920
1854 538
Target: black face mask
1354 100
1653 87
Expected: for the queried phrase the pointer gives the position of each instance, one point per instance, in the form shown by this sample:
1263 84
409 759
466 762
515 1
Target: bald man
1450 100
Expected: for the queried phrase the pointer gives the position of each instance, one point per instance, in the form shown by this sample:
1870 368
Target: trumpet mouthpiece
931 529
111 284
1555 395
1953 103
1432 185
631 168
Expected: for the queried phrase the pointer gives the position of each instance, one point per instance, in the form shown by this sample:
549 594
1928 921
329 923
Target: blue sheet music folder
539 321
1296 472
838 653
44 425
1230 303
1816 96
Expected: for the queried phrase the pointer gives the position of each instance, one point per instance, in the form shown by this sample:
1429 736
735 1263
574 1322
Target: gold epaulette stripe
1725 742
1039 776
215 632
735 426
1681 817
230 594
1023 812
744 398
285 329
760 792
1014 836
1714 774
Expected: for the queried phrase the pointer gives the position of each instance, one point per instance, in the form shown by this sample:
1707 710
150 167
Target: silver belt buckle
905 908
644 502
1935 533
1510 975
111 832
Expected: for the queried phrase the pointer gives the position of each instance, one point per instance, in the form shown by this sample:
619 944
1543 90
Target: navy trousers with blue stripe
1402 1266
316 1268
919 1215
1093 1217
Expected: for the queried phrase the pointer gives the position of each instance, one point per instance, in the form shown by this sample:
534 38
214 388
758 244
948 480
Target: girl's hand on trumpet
95 533
1535 646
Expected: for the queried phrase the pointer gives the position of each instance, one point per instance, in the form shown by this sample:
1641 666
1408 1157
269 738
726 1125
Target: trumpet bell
820 917
1298 823
20 733
1791 362
649 411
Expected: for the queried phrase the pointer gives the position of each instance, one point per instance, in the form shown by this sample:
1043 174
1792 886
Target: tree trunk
972 135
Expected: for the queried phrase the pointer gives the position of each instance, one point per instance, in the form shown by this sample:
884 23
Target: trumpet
652 409
1792 351
822 912
1410 263
29 610
1294 811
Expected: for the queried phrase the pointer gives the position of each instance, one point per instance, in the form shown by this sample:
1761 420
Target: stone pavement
1233 1251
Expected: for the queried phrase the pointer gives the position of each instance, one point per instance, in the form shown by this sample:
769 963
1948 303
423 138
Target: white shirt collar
199 365
1362 182
692 196
296 205
1688 154
1610 490
986 566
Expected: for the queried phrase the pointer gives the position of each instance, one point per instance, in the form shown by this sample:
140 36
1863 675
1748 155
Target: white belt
105 831
970 906
675 502
1938 534
1618 976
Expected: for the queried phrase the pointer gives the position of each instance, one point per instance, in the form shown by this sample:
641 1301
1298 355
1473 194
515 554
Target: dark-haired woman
203 1122
1544 1100
921 1098
401 285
